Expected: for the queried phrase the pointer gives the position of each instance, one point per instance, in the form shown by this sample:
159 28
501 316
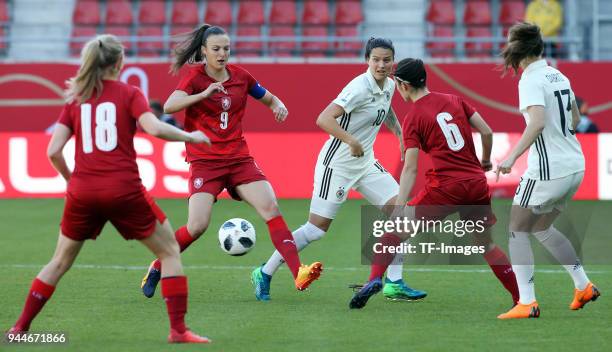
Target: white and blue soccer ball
237 236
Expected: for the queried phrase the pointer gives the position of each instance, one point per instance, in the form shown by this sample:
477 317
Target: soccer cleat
307 274
399 291
360 299
186 337
150 281
521 311
582 297
261 283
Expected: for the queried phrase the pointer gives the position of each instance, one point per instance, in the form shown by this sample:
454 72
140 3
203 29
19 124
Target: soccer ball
237 237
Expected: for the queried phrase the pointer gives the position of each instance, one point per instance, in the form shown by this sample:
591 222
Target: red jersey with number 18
104 130
218 116
439 125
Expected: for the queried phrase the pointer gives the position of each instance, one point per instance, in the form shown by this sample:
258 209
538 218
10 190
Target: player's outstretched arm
151 125
486 134
61 135
276 105
328 123
408 176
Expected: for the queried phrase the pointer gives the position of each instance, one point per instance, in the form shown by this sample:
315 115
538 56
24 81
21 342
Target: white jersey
366 107
556 152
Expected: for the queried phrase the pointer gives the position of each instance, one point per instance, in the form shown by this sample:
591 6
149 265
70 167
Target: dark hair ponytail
189 50
378 43
412 71
524 40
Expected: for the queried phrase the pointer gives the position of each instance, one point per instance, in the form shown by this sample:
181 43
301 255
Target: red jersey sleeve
251 81
468 109
185 84
65 117
412 138
138 104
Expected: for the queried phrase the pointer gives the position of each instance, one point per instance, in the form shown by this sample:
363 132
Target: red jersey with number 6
104 130
439 125
218 116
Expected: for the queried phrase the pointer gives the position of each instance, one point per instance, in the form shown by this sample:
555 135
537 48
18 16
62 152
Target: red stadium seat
119 12
249 48
478 49
124 34
283 12
348 12
86 12
317 48
3 37
218 12
316 12
511 11
148 47
251 12
282 48
80 35
441 12
441 49
477 12
347 49
185 12
152 12
4 12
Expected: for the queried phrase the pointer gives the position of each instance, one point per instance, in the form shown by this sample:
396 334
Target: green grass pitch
99 303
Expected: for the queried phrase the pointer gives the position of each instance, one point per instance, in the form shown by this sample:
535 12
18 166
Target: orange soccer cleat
307 274
582 297
521 311
186 337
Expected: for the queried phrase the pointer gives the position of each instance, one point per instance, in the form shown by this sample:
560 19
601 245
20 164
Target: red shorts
213 176
133 213
470 198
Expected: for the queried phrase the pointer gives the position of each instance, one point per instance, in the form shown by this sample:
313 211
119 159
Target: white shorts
331 187
544 196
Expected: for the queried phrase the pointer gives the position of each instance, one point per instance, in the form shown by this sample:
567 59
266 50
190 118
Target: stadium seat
80 35
148 47
348 12
316 12
124 34
441 12
185 12
316 48
511 11
218 12
251 13
283 12
152 12
249 48
478 49
347 49
119 12
477 12
441 49
86 12
282 48
5 16
3 37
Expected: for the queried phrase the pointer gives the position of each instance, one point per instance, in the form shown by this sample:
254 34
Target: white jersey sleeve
531 93
351 97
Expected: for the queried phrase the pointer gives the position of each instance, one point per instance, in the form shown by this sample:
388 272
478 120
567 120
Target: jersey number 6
451 131
106 127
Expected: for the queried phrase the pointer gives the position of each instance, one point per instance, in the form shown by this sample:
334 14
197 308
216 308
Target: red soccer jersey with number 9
104 130
219 116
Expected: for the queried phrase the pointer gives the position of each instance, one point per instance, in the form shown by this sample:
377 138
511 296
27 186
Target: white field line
245 267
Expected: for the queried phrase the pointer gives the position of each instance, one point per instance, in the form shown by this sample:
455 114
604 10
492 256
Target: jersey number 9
224 120
451 131
106 127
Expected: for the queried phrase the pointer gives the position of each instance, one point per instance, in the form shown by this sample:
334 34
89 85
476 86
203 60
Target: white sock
561 248
521 257
302 236
394 271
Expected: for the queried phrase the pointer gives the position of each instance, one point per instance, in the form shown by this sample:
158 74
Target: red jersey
104 131
218 116
439 125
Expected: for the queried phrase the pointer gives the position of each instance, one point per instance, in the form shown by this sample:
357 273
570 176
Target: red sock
381 261
184 239
283 242
39 294
174 291
499 263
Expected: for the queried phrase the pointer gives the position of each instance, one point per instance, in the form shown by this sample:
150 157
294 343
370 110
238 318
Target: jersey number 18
106 127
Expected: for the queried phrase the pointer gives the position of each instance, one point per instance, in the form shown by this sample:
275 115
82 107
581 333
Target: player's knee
312 232
269 209
197 227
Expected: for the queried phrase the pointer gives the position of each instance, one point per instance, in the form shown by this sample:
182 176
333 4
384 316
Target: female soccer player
101 113
440 125
554 172
347 161
214 95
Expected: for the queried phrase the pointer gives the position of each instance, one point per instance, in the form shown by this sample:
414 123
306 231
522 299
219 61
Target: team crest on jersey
340 193
198 182
226 102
